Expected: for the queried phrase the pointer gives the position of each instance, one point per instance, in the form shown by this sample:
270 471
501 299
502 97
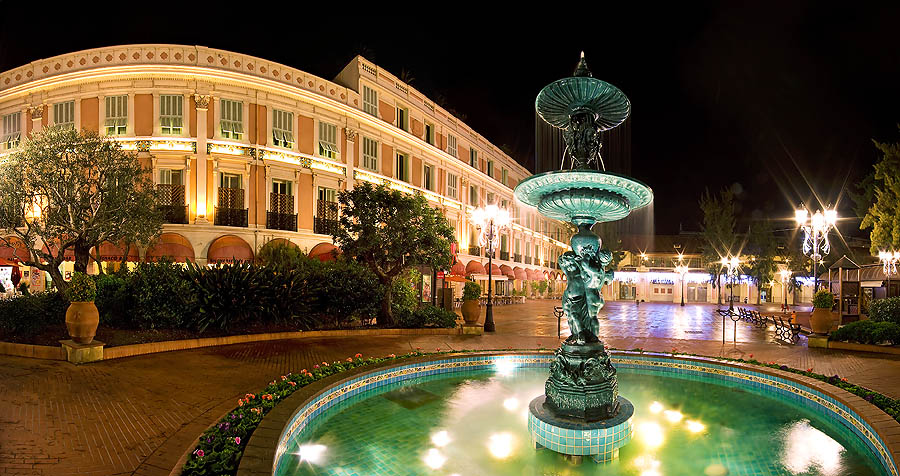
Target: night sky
781 99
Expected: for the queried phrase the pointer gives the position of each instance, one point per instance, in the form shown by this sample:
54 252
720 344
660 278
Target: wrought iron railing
281 221
326 221
231 217
528 260
474 250
174 214
504 255
517 257
170 200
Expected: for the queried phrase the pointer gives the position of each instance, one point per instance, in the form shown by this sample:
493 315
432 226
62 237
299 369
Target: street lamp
682 270
785 277
815 241
732 264
889 261
490 220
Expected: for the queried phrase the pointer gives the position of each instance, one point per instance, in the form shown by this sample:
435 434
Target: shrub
404 298
823 299
26 316
472 290
343 291
885 310
113 300
868 332
428 316
229 295
81 288
161 296
280 256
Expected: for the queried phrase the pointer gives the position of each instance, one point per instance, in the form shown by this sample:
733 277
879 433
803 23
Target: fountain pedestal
582 383
600 439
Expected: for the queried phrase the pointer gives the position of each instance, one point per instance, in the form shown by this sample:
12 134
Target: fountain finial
582 70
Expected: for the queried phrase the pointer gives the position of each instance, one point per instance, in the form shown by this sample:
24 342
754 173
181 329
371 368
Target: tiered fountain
581 413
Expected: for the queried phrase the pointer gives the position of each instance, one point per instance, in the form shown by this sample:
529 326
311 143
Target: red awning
68 255
113 252
505 269
546 274
280 241
173 246
229 249
324 252
458 269
5 262
534 274
15 251
475 267
495 270
520 273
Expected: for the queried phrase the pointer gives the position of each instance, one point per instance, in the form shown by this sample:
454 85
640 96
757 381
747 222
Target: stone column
202 103
350 155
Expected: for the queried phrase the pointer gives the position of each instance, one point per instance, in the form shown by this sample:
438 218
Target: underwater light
311 453
504 367
434 459
694 426
656 407
651 434
807 447
511 404
673 416
441 438
500 445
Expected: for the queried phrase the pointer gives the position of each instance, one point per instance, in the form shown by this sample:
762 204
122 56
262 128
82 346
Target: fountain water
581 412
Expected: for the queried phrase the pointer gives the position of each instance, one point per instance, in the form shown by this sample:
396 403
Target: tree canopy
718 231
883 195
762 246
66 190
389 231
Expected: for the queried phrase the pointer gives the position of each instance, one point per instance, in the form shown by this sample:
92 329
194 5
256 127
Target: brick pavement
138 415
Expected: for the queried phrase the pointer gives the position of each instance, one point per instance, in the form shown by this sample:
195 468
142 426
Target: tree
389 231
718 232
763 249
67 190
883 213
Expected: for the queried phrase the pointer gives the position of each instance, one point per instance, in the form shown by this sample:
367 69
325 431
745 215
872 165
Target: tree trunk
82 254
719 281
386 316
58 281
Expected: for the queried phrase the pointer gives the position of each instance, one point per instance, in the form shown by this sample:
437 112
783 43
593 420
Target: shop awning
15 250
507 271
458 269
474 267
68 255
8 263
171 245
484 277
324 252
520 273
228 249
112 252
495 270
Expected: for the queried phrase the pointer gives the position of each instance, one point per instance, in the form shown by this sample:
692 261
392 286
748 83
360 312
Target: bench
786 331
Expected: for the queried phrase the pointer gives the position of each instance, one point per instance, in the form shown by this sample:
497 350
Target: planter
471 311
81 321
821 321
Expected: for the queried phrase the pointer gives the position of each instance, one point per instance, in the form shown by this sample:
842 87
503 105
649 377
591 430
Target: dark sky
782 99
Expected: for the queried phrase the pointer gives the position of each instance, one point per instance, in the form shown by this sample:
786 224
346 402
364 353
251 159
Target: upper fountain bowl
583 195
561 99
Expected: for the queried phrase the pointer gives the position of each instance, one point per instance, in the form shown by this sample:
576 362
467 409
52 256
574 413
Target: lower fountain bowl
600 440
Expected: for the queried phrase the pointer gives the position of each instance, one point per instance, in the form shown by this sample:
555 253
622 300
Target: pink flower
438 349
199 453
349 359
358 355
237 440
240 403
325 364
302 371
809 369
293 384
316 366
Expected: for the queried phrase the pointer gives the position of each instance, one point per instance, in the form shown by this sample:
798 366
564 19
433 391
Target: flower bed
219 449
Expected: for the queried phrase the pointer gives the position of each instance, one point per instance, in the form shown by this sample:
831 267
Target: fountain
581 413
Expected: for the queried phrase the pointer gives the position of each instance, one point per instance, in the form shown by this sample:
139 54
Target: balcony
281 221
504 255
517 257
326 221
528 260
170 200
231 217
281 214
474 250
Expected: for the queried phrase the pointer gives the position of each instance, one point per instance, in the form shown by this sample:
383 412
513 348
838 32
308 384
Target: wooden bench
786 331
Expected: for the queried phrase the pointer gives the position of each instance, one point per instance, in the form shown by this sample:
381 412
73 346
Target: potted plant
821 319
82 316
471 308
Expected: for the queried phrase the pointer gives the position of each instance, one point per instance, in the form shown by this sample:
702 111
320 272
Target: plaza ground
138 415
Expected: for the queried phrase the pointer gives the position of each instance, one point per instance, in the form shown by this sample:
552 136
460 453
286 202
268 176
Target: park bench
786 331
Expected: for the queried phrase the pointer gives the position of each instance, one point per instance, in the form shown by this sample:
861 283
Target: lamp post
732 264
815 240
490 220
889 262
785 277
682 270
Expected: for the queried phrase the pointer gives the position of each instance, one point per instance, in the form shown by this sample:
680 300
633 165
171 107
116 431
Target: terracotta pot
471 311
81 321
821 320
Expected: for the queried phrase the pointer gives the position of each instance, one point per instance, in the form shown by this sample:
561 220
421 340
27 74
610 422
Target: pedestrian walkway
136 416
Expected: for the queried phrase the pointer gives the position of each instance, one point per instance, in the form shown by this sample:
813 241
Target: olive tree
70 191
389 231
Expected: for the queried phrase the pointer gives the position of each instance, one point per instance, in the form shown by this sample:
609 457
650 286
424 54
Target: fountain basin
600 440
857 424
